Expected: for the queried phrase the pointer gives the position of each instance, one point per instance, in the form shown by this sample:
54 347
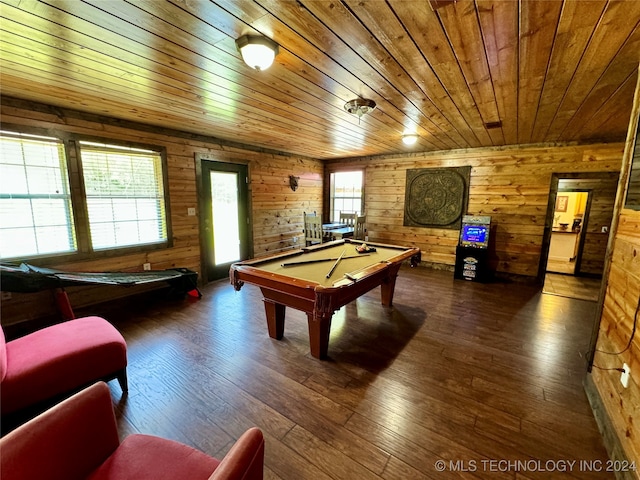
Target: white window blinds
35 203
124 194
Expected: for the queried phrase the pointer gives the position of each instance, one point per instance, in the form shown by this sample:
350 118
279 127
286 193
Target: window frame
85 251
331 190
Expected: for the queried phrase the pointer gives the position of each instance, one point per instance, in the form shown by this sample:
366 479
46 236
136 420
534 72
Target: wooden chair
360 227
348 219
312 229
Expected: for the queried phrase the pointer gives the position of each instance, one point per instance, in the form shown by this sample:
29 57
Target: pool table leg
275 318
388 286
319 330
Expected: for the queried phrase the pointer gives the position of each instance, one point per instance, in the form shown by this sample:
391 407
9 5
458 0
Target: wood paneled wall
616 326
618 320
512 184
276 209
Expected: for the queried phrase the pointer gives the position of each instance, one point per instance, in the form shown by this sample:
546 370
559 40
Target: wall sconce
410 138
257 52
293 182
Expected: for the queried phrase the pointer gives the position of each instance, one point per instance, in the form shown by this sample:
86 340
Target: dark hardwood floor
472 374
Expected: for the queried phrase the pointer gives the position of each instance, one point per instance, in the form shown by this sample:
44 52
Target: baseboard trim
605 425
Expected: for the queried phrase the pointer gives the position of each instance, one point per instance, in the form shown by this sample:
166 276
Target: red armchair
78 439
46 365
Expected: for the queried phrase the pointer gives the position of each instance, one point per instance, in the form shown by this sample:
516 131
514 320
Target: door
225 216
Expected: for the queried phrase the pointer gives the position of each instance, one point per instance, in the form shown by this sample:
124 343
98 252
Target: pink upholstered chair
78 439
49 364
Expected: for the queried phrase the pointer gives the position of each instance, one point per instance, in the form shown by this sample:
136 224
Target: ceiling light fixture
359 107
409 138
257 52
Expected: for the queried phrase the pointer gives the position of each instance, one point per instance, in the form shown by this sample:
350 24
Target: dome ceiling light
258 52
409 138
359 107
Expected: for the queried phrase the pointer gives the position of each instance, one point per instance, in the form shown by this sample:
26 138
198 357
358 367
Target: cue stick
303 262
351 275
336 264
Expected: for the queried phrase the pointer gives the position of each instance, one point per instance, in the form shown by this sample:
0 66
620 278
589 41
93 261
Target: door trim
202 205
548 224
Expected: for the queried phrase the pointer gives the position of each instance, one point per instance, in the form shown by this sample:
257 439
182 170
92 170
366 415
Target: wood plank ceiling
460 74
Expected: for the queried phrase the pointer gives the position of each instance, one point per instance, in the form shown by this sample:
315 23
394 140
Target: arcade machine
472 252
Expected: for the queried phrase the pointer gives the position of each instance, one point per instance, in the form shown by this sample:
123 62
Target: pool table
301 279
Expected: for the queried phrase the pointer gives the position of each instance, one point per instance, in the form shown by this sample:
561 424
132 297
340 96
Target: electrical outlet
624 378
605 229
146 266
191 212
295 239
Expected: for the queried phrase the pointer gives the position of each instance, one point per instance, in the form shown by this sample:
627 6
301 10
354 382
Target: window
35 201
116 199
124 194
346 193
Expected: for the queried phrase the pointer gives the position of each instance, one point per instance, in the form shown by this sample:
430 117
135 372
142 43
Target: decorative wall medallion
436 197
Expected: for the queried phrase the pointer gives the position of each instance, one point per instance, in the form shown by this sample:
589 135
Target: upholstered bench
56 361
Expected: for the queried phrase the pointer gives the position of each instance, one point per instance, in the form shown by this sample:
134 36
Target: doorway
567 231
562 275
225 220
579 212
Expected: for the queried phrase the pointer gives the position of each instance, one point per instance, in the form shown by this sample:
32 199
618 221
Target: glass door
226 216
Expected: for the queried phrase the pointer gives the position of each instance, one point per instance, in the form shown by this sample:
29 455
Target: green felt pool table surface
309 264
305 286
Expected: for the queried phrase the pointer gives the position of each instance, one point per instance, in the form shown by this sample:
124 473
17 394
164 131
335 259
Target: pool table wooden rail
318 301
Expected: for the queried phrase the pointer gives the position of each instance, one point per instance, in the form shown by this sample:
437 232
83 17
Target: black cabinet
472 264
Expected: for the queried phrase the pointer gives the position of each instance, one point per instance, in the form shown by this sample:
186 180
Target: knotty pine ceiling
460 74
